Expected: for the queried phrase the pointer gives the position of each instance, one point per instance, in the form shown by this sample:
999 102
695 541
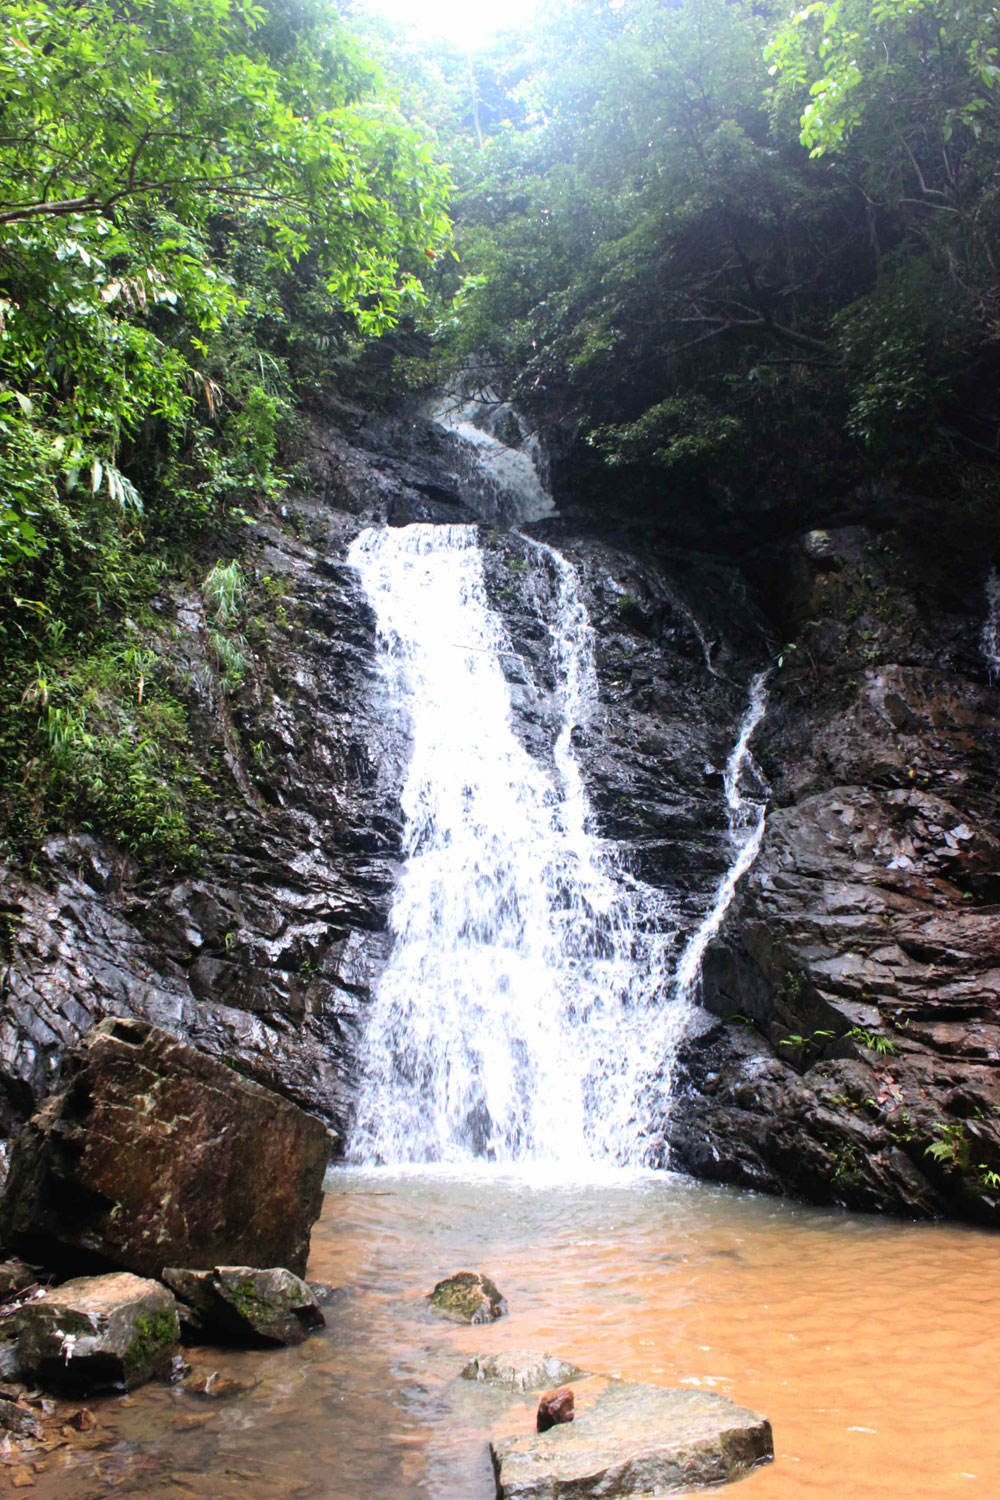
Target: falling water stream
531 1006
989 640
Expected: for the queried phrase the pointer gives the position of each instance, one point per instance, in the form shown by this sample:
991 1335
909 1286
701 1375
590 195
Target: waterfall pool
872 1345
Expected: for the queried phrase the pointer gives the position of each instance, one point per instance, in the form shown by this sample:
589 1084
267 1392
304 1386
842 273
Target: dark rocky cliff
849 1045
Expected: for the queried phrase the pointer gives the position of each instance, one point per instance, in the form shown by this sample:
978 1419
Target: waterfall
989 641
653 1053
531 977
504 478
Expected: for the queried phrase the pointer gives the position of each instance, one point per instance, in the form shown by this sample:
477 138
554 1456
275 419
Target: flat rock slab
633 1440
152 1154
521 1371
98 1333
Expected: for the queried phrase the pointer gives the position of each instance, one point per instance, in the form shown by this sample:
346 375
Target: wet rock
521 1371
852 1047
634 1440
554 1408
15 1278
468 1297
240 1302
323 1293
98 1333
216 1387
82 1420
18 1419
153 1154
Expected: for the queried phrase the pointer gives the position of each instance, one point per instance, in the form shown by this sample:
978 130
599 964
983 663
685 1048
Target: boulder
98 1333
251 1306
468 1297
152 1154
521 1371
555 1407
633 1440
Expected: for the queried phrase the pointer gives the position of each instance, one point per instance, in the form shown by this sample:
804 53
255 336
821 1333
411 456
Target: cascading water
989 641
531 979
505 477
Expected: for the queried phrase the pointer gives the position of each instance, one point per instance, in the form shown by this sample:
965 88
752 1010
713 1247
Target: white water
505 479
531 1004
990 639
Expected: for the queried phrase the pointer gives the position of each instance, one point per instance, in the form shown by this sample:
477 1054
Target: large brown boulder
152 1154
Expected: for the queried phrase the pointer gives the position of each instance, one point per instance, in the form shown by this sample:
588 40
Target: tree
145 149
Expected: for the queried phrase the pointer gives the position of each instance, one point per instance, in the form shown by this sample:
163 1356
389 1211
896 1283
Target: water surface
872 1345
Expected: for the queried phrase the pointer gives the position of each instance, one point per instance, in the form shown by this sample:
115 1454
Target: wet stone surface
468 1297
246 1305
633 1440
98 1333
152 1153
520 1371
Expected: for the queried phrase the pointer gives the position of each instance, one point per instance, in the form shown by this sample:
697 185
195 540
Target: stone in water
98 1333
468 1297
634 1440
555 1407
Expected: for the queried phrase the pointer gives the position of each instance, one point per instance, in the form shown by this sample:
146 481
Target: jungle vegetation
729 249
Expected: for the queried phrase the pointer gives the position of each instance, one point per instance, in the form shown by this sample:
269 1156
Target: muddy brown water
873 1346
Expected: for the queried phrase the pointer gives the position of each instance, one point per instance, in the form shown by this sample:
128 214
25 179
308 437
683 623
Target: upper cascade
529 971
503 475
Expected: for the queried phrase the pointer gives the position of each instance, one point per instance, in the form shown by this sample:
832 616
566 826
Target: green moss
154 1334
462 1297
248 1302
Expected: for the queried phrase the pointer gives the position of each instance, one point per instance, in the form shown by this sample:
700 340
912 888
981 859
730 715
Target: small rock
98 1333
19 1419
82 1420
243 1303
521 1371
218 1387
21 1479
15 1277
555 1407
468 1297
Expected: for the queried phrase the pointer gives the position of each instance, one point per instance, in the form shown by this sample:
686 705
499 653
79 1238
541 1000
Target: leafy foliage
197 197
755 251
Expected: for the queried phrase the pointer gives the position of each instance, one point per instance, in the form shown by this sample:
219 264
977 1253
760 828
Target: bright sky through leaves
465 22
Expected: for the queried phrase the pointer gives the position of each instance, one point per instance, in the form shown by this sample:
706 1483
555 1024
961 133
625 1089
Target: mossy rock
248 1305
468 1297
98 1333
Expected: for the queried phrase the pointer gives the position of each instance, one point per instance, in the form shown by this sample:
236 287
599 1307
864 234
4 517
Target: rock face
98 1333
848 1049
635 1440
468 1297
152 1154
247 1305
852 1050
